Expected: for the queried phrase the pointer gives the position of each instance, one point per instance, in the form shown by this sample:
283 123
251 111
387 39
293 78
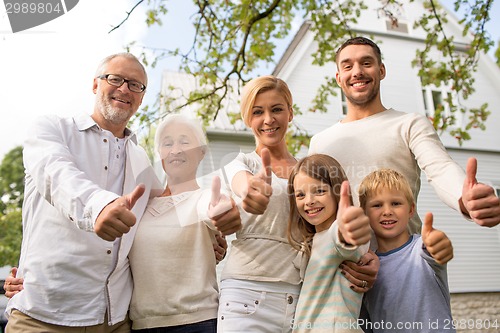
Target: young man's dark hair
360 41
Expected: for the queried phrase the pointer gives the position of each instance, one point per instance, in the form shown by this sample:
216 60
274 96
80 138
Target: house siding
475 266
223 148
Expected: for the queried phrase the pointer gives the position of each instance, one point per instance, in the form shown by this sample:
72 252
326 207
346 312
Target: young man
411 292
80 210
371 137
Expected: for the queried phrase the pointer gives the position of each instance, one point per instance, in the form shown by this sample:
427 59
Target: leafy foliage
10 237
456 67
12 187
233 38
12 179
497 54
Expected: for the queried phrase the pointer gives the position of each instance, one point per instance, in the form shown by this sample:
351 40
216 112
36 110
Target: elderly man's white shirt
71 276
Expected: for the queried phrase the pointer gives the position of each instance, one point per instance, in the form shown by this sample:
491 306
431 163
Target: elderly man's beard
112 114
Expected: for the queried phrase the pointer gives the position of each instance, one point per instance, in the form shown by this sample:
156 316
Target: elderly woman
172 258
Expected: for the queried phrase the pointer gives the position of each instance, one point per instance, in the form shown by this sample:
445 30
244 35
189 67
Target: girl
324 224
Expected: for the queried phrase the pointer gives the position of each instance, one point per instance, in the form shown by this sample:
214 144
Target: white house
476 266
474 273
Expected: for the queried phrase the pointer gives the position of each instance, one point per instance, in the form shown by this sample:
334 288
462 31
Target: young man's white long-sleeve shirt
405 142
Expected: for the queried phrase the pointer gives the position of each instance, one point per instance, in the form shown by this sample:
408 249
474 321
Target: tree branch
126 18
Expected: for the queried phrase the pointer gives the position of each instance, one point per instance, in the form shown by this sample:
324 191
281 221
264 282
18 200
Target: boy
411 291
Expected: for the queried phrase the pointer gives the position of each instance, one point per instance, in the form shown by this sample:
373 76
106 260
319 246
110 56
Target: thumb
345 200
13 271
265 173
427 226
133 196
470 172
219 203
214 200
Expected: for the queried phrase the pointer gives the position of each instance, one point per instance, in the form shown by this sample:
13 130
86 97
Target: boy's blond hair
384 179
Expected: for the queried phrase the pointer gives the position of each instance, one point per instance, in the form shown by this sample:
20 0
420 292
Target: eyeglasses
117 81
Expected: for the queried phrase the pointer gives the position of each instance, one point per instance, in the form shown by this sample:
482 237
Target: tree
497 54
12 179
232 38
10 237
12 187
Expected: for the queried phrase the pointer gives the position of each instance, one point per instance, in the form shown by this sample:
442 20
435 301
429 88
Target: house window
426 108
396 26
395 17
434 99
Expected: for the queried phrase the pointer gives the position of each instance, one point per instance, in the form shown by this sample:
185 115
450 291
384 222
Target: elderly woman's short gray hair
170 119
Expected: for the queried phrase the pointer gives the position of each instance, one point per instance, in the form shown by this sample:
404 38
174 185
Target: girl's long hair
325 169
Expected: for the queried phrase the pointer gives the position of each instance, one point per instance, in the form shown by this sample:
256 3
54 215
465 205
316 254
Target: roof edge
304 28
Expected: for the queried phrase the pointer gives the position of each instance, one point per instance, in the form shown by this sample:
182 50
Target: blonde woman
261 279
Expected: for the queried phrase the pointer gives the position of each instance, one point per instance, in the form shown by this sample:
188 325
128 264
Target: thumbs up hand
259 189
223 211
353 224
117 218
219 203
437 243
266 172
479 200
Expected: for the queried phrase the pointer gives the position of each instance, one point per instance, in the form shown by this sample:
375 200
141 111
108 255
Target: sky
49 69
